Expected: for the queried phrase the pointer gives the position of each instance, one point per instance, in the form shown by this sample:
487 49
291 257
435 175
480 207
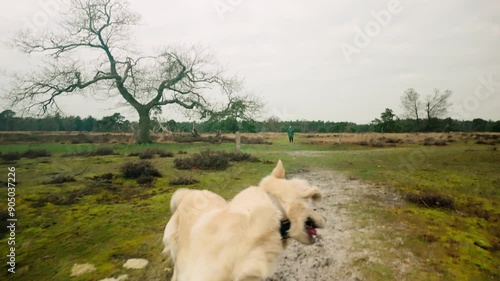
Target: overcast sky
308 59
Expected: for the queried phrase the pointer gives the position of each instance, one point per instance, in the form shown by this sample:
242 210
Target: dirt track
334 256
340 252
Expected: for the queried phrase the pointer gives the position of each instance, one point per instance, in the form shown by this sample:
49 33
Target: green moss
109 226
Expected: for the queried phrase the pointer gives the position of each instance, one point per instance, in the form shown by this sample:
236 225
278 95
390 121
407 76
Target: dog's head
296 197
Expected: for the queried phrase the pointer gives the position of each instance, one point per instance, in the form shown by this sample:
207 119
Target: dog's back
187 206
232 243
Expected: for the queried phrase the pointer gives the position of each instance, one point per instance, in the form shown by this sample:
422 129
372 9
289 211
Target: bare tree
412 105
99 30
437 105
434 106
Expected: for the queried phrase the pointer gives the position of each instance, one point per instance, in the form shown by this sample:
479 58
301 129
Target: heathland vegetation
106 202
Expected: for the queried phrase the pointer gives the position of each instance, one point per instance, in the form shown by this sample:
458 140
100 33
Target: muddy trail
339 254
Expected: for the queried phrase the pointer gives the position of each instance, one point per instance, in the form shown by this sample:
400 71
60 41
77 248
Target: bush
154 150
60 179
257 140
145 179
393 141
429 141
183 181
441 143
135 170
212 160
239 157
35 153
205 160
104 177
101 151
182 152
146 155
150 152
432 200
164 154
11 156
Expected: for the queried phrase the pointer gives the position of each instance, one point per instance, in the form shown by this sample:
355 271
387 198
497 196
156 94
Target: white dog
210 239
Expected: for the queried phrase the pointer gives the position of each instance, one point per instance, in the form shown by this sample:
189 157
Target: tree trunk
144 122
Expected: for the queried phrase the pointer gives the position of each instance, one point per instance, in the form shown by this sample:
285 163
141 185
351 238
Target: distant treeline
118 123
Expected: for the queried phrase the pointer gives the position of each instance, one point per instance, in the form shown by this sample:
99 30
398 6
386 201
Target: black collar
284 228
285 222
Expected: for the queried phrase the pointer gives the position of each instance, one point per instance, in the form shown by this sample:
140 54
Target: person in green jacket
290 134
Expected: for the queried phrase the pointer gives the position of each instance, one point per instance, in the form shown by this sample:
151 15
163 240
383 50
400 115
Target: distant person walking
290 134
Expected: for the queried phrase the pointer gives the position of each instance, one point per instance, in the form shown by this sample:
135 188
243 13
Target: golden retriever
210 239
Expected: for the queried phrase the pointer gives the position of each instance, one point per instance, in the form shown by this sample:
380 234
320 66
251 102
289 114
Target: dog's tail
177 198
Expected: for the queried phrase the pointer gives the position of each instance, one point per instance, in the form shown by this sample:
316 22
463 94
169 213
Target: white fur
210 239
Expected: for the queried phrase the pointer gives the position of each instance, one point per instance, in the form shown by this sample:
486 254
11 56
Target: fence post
238 141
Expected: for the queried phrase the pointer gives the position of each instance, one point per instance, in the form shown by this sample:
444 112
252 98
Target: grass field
447 213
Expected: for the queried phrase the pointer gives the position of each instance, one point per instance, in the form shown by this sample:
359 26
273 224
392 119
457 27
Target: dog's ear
279 171
314 193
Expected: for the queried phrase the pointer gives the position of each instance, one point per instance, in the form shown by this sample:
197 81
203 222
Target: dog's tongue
311 230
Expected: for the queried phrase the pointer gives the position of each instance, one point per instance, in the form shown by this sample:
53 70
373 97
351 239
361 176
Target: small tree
388 122
412 106
6 119
436 105
101 29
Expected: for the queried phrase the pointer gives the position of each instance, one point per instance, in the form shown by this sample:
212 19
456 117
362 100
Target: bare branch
187 77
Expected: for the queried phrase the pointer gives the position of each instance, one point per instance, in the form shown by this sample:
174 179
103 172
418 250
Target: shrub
393 141
166 154
79 154
205 160
183 181
11 156
239 157
145 179
212 160
429 141
441 143
154 150
150 152
105 177
35 153
102 151
135 170
431 200
257 140
485 142
182 152
60 179
146 155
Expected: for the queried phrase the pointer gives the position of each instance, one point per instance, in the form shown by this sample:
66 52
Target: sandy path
333 256
339 253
